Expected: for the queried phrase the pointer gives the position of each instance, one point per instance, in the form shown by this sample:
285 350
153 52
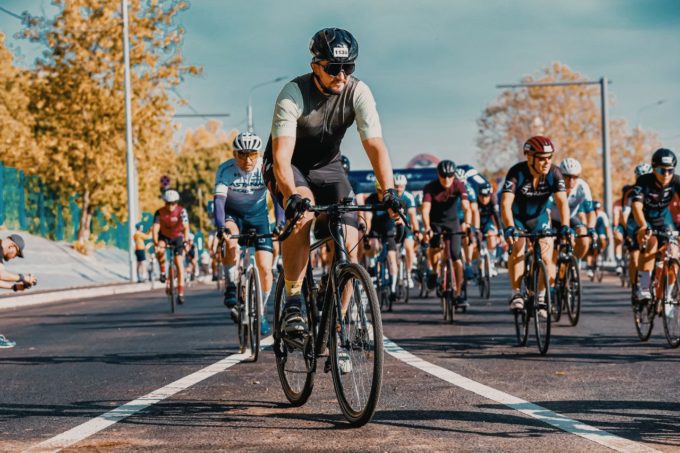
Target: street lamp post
249 109
606 156
131 182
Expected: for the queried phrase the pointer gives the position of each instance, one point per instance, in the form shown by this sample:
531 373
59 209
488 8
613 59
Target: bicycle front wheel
172 289
294 365
671 304
356 346
541 306
572 289
253 307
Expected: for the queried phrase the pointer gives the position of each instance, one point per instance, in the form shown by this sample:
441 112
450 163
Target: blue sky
432 65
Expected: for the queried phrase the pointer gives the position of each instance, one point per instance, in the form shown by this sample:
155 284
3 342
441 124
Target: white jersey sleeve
368 121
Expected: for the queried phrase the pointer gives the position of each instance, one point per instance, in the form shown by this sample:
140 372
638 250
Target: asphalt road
75 361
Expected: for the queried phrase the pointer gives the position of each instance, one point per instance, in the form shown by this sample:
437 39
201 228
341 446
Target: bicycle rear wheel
295 366
253 307
572 287
671 304
541 306
487 276
357 349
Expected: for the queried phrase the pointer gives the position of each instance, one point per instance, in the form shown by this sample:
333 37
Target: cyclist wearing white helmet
409 201
582 215
170 227
241 205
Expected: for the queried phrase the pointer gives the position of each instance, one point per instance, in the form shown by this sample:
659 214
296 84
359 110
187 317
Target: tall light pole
645 107
132 202
606 156
249 109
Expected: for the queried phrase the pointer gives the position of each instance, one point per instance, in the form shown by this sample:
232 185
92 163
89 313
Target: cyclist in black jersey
652 196
302 159
526 191
489 219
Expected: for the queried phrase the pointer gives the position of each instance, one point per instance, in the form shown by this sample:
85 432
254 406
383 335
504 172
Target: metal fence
26 204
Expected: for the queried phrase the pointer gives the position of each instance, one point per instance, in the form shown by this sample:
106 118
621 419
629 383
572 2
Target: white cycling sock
265 299
230 273
393 284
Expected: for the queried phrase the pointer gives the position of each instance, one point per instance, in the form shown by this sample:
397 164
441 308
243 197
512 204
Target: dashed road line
554 419
112 417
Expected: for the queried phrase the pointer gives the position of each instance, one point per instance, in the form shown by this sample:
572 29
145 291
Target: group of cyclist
302 165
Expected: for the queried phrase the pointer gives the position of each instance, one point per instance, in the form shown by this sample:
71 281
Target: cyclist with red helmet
525 195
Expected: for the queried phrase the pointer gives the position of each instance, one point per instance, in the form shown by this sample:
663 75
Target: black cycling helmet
334 45
446 168
344 160
485 189
664 156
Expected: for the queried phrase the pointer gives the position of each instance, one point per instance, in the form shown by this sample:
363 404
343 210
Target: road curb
74 294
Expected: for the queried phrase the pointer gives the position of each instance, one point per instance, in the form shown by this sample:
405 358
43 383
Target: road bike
344 323
249 307
537 303
483 270
422 270
567 284
665 292
402 275
447 277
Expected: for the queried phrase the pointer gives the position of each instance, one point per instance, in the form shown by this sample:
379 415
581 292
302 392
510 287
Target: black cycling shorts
388 232
454 242
175 243
329 184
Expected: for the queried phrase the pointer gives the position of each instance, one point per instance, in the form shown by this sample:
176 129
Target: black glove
294 205
391 200
509 232
220 233
564 232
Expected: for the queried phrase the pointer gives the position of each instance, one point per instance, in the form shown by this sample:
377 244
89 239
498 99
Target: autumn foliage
570 116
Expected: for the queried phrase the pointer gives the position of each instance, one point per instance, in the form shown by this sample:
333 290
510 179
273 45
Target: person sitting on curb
11 247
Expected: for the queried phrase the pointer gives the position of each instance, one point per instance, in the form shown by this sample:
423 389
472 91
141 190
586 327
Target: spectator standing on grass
11 247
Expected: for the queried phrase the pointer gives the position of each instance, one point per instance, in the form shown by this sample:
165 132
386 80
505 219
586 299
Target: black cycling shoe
162 277
180 299
293 325
230 295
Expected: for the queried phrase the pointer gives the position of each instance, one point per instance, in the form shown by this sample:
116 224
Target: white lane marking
532 410
95 425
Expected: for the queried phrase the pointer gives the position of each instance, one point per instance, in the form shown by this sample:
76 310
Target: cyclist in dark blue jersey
489 219
526 191
651 198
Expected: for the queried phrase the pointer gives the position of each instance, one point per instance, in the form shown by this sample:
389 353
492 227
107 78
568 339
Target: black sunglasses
333 69
664 171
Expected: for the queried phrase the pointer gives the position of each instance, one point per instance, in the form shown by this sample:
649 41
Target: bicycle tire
521 327
173 288
541 325
573 287
451 288
254 304
242 294
671 304
296 388
404 278
366 337
487 276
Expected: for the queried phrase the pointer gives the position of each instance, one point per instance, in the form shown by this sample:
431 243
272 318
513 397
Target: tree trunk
85 219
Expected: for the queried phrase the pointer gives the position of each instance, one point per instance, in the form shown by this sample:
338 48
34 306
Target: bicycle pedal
294 343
